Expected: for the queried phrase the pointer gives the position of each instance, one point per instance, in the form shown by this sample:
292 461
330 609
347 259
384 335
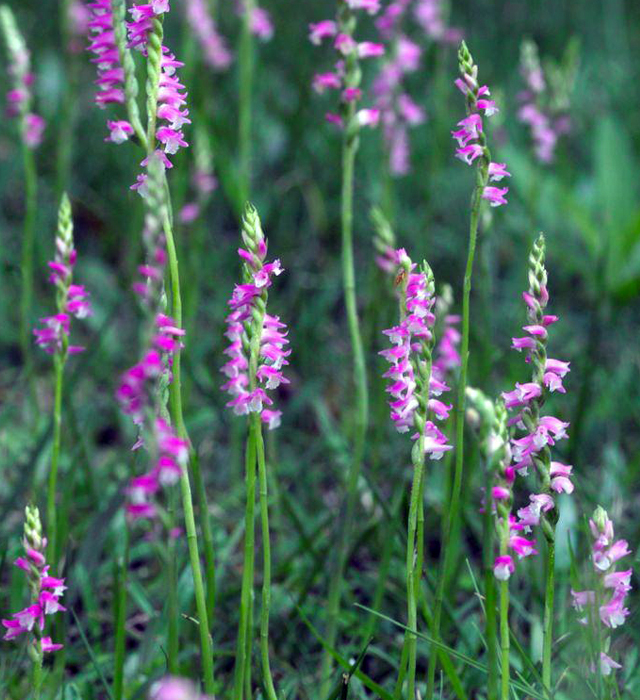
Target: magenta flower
248 324
526 400
214 46
611 589
345 77
173 688
472 143
46 590
412 386
544 112
102 44
20 97
72 299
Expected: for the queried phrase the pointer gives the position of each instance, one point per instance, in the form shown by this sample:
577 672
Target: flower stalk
472 146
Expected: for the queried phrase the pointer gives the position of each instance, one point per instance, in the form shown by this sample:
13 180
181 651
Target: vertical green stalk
245 93
349 149
207 535
504 638
121 619
266 554
175 405
52 516
246 596
548 617
28 241
412 570
172 590
490 594
154 55
454 503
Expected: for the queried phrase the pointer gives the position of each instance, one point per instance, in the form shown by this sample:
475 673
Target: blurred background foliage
586 202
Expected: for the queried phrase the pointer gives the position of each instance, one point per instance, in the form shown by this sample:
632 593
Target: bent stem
175 405
548 617
243 650
454 503
28 238
52 516
266 555
349 149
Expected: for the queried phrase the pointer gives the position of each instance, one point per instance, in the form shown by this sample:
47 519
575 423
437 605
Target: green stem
121 619
547 642
349 149
504 638
172 590
175 404
37 674
413 560
28 240
266 555
454 503
207 535
245 93
52 522
490 595
243 652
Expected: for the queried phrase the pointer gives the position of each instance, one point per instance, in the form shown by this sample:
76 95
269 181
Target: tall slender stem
547 642
121 619
412 570
266 557
207 535
28 239
488 541
175 404
172 590
246 595
349 149
245 94
52 516
454 504
504 638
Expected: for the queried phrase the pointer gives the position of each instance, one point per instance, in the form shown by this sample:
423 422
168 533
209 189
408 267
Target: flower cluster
606 602
447 357
78 17
203 179
173 688
214 46
472 143
526 400
257 340
72 299
398 110
545 116
46 590
102 43
141 391
260 21
346 76
19 97
431 17
170 101
412 384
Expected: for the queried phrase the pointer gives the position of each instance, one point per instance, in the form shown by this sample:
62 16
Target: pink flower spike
368 117
495 195
497 171
47 645
322 30
369 49
503 567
